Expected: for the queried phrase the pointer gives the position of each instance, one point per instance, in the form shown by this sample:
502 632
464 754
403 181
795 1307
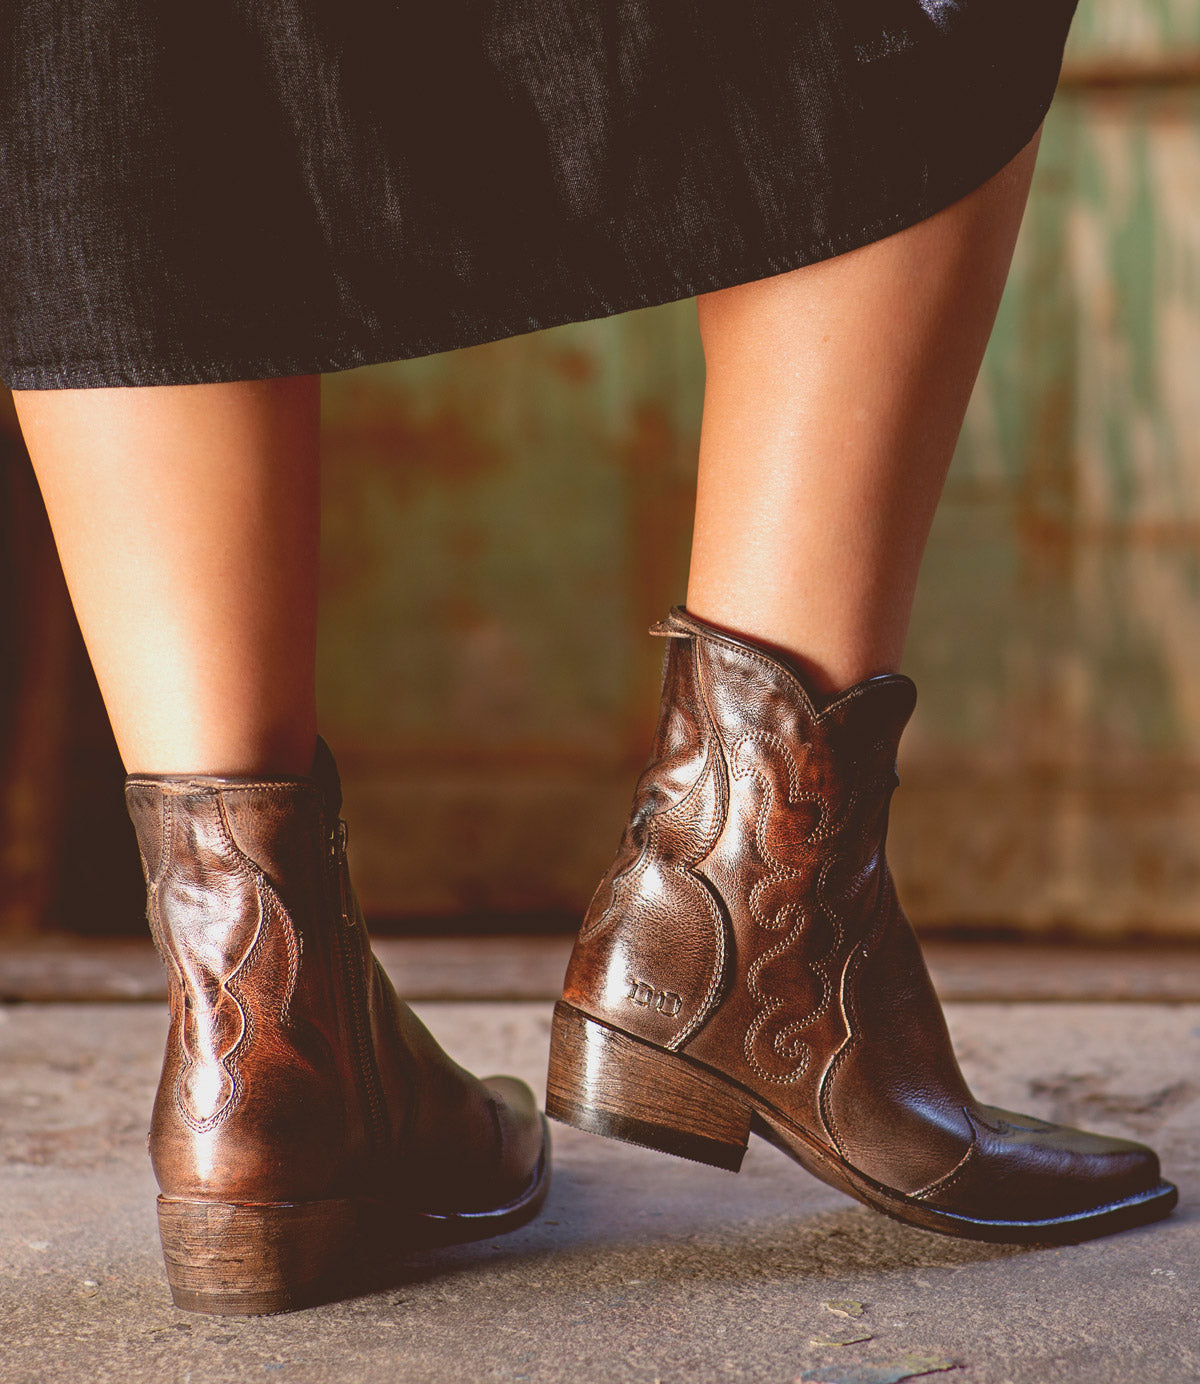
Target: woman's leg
187 521
746 958
834 398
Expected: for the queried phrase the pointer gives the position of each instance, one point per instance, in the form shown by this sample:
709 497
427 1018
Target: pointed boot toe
1027 1171
307 1128
745 966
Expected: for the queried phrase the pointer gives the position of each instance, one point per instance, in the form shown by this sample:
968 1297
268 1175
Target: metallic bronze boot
307 1126
745 965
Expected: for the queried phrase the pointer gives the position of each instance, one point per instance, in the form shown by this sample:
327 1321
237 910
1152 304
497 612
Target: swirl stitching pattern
230 994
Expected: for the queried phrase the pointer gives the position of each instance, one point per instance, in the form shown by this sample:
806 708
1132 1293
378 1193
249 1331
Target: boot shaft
751 887
757 831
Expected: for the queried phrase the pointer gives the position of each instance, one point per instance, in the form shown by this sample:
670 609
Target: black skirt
252 188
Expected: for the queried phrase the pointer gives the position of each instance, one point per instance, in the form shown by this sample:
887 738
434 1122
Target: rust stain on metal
389 430
574 365
662 496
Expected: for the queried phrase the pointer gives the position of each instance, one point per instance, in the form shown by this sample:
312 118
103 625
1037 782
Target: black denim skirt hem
296 189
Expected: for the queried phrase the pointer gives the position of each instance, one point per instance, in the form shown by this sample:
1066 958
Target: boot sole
608 1082
257 1258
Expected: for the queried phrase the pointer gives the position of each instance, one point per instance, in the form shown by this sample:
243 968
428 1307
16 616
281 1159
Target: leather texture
292 1072
750 922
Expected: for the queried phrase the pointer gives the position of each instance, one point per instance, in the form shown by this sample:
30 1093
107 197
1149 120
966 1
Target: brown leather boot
745 965
306 1124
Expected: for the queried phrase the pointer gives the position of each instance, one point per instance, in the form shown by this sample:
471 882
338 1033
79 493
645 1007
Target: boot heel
609 1083
231 1258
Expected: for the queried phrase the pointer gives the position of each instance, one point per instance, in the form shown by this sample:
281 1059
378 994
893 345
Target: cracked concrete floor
642 1267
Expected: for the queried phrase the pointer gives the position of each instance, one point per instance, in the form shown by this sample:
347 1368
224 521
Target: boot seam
947 1180
228 1063
641 864
270 910
498 1125
180 785
858 957
716 760
778 666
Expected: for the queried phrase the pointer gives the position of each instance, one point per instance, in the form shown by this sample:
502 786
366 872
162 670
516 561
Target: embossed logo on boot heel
641 992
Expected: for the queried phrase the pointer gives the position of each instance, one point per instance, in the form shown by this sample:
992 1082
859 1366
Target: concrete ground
641 1268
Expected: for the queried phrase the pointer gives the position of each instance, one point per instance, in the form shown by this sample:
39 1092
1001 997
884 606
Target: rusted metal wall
1053 773
504 522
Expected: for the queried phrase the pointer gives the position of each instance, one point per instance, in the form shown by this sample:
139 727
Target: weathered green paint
502 523
1053 774
1133 29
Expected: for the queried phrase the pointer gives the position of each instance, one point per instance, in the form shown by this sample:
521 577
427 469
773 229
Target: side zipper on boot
357 982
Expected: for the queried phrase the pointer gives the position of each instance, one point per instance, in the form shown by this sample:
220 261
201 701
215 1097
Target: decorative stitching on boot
947 1180
854 961
270 910
226 1061
785 1043
720 816
624 885
269 903
626 878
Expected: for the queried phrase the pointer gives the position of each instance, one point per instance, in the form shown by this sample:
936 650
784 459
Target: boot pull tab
663 629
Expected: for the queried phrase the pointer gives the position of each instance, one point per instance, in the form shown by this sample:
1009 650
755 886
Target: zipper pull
342 866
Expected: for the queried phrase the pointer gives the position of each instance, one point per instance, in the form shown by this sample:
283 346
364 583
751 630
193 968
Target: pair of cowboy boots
744 966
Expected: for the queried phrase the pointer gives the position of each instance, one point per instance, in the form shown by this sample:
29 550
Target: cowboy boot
745 965
306 1125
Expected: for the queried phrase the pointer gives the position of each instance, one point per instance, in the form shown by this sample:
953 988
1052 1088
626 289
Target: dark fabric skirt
252 188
